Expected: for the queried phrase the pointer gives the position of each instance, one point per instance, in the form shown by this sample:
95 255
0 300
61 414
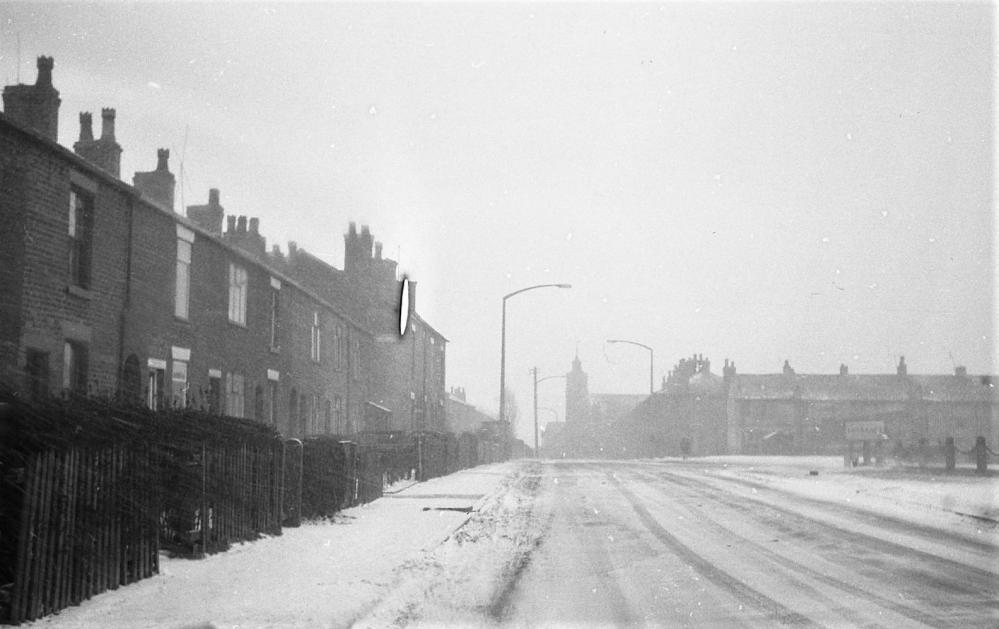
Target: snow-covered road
713 542
673 544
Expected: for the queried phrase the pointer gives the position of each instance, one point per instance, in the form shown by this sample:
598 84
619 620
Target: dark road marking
779 612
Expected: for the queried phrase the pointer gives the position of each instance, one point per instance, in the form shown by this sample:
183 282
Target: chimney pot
162 157
844 370
44 65
241 225
86 127
107 123
378 251
230 224
254 225
213 196
960 371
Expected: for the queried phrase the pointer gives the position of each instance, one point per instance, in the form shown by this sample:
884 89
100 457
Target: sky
811 182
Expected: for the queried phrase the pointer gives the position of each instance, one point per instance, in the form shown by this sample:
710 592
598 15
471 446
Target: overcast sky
759 182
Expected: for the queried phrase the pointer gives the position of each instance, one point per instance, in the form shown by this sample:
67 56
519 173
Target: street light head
564 285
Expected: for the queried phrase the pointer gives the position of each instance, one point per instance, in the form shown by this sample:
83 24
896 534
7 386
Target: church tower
577 395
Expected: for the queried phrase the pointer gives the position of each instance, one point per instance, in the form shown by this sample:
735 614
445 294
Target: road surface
671 544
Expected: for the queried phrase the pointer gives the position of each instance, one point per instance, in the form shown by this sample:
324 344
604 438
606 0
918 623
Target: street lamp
502 409
651 356
536 382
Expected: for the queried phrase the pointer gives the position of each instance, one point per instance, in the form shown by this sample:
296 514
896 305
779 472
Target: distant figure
685 447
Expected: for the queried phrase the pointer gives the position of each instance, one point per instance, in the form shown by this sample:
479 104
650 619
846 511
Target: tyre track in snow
775 610
874 519
937 574
798 568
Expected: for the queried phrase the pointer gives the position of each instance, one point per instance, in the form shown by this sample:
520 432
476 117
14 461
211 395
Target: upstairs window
338 347
275 314
81 219
182 284
316 338
237 294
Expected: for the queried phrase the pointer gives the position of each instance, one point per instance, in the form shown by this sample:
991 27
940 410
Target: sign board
864 431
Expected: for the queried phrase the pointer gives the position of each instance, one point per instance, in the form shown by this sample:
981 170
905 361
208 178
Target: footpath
323 574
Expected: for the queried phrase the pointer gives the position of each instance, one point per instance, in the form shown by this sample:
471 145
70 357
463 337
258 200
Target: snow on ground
323 574
416 556
961 501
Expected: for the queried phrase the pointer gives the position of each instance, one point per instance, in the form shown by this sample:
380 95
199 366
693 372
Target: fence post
204 501
295 519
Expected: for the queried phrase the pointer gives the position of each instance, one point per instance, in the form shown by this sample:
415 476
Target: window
275 315
355 359
338 414
272 410
338 347
316 338
178 383
327 417
155 383
237 294
81 218
234 394
314 414
292 411
74 367
182 286
303 414
36 368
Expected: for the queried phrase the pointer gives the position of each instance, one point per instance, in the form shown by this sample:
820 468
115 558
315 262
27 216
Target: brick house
107 289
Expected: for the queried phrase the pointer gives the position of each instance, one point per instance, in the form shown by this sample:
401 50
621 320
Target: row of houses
107 289
699 412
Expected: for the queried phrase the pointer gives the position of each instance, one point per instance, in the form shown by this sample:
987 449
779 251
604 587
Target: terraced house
107 289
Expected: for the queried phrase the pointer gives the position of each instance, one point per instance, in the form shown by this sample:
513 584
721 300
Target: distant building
791 413
462 416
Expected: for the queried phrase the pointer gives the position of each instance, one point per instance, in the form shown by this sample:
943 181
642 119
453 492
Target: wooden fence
88 524
91 492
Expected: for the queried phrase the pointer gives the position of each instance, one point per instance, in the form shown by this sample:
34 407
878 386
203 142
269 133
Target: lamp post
502 409
651 357
536 382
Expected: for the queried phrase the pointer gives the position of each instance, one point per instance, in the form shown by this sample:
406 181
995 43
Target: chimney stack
104 152
961 371
209 217
157 185
35 106
844 370
902 369
86 127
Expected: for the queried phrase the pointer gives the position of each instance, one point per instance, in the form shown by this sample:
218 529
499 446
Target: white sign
864 431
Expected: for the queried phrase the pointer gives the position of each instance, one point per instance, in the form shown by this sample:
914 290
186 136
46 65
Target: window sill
79 291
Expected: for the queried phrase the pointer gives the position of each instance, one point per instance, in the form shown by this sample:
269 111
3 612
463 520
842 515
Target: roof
109 179
864 387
